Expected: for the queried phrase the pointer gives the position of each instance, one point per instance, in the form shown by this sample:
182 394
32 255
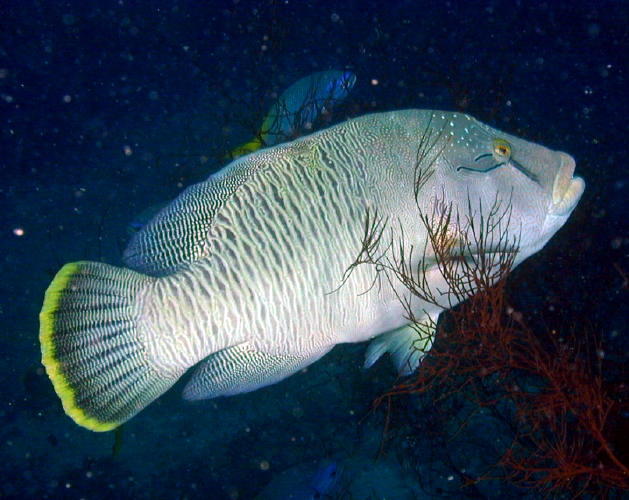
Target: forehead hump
463 132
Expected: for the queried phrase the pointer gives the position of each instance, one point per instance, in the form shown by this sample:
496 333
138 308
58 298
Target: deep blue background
109 107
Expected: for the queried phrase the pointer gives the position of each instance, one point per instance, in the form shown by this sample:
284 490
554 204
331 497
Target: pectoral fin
406 345
241 369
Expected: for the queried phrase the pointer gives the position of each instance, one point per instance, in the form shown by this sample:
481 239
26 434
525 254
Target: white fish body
246 273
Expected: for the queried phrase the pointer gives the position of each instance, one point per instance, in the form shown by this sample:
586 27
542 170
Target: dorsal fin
178 234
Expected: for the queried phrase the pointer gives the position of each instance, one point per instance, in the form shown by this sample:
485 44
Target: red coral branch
563 438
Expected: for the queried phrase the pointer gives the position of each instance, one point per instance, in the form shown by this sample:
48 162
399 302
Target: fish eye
501 153
501 150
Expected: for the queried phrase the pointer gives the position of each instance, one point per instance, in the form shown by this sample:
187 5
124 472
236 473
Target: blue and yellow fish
298 107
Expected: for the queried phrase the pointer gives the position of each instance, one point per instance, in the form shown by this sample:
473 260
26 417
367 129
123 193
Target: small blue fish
322 483
299 106
318 486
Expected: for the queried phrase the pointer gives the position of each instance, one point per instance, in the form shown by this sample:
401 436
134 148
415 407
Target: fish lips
567 189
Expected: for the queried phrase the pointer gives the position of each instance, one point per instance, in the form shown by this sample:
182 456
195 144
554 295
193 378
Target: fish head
325 90
338 84
499 182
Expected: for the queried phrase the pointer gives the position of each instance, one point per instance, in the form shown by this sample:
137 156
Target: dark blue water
109 107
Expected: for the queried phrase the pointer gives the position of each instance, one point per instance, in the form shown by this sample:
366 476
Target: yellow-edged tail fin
92 348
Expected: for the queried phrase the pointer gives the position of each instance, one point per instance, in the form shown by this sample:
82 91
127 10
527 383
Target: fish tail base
92 348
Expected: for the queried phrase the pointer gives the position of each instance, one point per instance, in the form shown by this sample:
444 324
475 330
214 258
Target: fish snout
567 189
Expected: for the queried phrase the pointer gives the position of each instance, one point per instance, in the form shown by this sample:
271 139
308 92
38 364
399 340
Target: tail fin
92 348
246 148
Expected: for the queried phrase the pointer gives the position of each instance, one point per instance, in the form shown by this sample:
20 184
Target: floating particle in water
18 231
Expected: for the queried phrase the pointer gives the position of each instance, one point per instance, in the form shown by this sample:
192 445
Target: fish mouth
567 189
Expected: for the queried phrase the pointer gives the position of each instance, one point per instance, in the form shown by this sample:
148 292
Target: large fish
246 274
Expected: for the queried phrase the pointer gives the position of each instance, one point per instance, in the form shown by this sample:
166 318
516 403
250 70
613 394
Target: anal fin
242 368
